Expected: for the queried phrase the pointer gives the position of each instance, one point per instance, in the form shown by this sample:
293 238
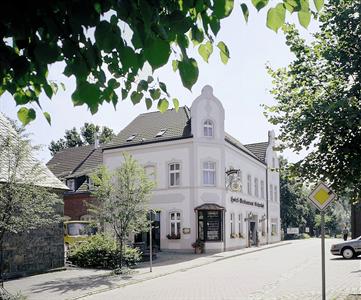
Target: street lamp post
150 243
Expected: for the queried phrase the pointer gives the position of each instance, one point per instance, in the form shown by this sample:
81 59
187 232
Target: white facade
192 189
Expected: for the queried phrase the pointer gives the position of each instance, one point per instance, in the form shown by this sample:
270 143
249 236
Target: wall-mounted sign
293 230
246 202
186 230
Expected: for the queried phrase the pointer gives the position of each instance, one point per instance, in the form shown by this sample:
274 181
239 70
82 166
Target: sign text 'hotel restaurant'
242 201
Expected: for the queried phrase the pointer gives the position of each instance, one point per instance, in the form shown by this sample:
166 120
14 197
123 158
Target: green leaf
163 105
46 53
26 115
205 50
47 117
318 4
87 93
105 37
150 79
176 104
215 25
259 4
223 8
148 103
292 5
98 7
304 18
224 52
188 71
136 97
157 53
48 90
124 94
155 93
175 65
276 17
245 11
196 35
142 86
113 84
163 87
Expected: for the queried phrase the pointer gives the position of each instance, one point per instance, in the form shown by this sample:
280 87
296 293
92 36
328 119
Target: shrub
304 236
101 251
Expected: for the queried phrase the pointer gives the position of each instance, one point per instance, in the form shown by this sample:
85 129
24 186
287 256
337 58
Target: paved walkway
76 283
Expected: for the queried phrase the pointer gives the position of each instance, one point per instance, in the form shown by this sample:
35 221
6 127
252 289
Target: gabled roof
75 162
258 149
42 175
146 126
233 141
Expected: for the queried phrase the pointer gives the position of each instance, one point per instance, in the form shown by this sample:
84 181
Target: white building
208 185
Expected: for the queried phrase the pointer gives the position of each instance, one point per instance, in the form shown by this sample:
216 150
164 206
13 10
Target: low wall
33 252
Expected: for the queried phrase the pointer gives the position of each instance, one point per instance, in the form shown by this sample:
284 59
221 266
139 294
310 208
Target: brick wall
75 204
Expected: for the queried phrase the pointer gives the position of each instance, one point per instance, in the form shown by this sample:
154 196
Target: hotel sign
246 202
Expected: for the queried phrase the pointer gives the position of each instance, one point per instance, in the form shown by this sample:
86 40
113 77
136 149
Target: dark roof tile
258 149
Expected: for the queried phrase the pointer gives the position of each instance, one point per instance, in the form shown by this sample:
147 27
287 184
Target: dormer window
160 133
130 138
208 128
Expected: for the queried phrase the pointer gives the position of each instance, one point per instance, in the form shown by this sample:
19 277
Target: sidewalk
76 283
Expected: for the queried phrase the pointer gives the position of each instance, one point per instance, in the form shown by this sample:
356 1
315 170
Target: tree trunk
121 254
1 263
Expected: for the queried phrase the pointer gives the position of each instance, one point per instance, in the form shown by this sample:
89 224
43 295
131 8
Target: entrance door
252 233
142 239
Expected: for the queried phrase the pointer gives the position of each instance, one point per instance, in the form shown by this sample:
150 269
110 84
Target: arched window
208 128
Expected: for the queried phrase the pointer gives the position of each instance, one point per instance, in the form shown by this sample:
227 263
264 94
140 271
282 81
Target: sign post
321 197
150 242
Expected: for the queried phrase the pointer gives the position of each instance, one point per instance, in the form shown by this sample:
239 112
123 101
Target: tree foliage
122 200
318 98
72 138
297 210
105 45
24 203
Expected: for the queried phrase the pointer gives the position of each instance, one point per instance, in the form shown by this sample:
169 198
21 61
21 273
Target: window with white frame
240 229
274 227
175 224
71 184
174 174
150 172
208 128
90 184
249 184
209 173
271 192
256 190
262 189
232 224
275 193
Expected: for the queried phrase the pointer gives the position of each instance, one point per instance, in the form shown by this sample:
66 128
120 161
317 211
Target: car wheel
348 253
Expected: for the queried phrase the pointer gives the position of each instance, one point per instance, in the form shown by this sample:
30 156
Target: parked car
77 231
348 249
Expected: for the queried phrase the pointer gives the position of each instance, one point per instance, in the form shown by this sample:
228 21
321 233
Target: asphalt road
288 272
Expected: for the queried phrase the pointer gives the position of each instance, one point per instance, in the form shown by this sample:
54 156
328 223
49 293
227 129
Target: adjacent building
209 186
39 250
73 166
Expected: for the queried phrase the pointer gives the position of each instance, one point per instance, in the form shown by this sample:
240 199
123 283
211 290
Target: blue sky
242 86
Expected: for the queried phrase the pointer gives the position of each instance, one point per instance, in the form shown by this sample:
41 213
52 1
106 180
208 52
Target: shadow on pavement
63 286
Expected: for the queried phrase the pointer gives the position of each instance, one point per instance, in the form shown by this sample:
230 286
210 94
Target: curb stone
136 281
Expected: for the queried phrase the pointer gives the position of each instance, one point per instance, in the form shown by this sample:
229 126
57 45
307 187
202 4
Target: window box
233 235
173 236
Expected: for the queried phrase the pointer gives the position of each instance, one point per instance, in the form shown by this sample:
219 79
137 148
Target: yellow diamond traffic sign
321 196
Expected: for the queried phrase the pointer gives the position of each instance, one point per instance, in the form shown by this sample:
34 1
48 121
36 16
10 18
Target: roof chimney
96 140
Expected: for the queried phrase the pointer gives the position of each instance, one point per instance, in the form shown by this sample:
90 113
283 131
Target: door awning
209 206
